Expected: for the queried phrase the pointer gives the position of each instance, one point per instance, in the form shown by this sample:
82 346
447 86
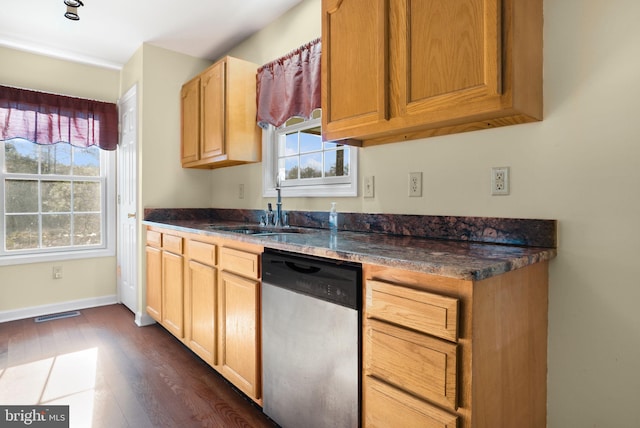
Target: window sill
19 259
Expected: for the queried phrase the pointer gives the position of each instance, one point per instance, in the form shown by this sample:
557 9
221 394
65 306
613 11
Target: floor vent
57 316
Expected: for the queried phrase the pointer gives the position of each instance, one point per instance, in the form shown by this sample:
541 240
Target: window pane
56 230
311 165
21 196
86 196
291 144
86 161
290 168
56 196
53 197
336 163
86 229
21 156
22 232
346 158
310 140
56 159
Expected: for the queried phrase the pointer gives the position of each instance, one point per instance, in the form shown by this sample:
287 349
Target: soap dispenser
333 218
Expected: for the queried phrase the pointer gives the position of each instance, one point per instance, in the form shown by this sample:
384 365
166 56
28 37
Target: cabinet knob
131 215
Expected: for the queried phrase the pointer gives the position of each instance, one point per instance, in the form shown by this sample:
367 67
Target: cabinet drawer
202 252
415 309
241 262
386 406
172 243
414 362
154 239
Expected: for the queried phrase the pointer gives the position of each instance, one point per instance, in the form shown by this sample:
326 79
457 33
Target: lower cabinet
172 293
165 280
154 282
206 292
240 318
240 330
391 407
443 352
437 351
418 363
201 300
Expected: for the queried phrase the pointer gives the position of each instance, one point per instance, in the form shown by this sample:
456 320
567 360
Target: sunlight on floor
67 379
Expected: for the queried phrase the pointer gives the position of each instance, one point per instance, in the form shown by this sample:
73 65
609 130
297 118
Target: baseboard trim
36 311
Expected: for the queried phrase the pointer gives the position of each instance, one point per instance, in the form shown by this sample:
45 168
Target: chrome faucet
278 220
268 217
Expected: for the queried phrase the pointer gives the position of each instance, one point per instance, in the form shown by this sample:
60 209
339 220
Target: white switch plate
368 187
415 184
241 191
500 180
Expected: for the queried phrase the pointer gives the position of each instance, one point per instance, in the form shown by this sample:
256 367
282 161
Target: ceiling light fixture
72 9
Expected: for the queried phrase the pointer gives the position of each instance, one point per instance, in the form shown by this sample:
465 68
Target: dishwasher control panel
334 281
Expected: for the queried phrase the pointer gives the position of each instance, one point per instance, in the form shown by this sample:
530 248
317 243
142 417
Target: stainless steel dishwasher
311 341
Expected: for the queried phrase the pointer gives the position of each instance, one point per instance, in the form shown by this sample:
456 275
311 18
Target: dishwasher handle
302 269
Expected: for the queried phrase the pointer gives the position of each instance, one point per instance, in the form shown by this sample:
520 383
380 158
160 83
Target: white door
127 258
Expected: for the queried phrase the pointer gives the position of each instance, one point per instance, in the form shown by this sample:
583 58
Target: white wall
32 285
581 166
297 27
158 75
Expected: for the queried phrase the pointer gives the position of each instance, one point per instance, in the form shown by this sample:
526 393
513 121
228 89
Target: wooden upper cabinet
212 84
407 69
190 121
218 121
354 69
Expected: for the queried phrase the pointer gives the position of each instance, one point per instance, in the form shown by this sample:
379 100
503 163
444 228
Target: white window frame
107 249
327 187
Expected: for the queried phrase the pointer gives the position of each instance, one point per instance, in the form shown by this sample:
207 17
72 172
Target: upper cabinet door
354 64
445 58
190 121
213 110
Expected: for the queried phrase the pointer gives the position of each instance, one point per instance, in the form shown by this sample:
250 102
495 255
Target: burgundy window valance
290 86
45 118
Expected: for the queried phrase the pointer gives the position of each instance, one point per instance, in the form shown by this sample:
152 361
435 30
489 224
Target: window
56 200
305 164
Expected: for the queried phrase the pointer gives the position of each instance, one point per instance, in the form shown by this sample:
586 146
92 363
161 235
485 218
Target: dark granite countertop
487 252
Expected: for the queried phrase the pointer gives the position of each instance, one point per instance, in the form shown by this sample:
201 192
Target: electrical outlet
57 272
415 184
241 191
369 187
500 180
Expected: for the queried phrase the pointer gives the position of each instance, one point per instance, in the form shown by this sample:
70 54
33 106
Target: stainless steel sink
256 230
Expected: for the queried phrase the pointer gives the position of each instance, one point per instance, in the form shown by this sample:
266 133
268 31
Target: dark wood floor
115 374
